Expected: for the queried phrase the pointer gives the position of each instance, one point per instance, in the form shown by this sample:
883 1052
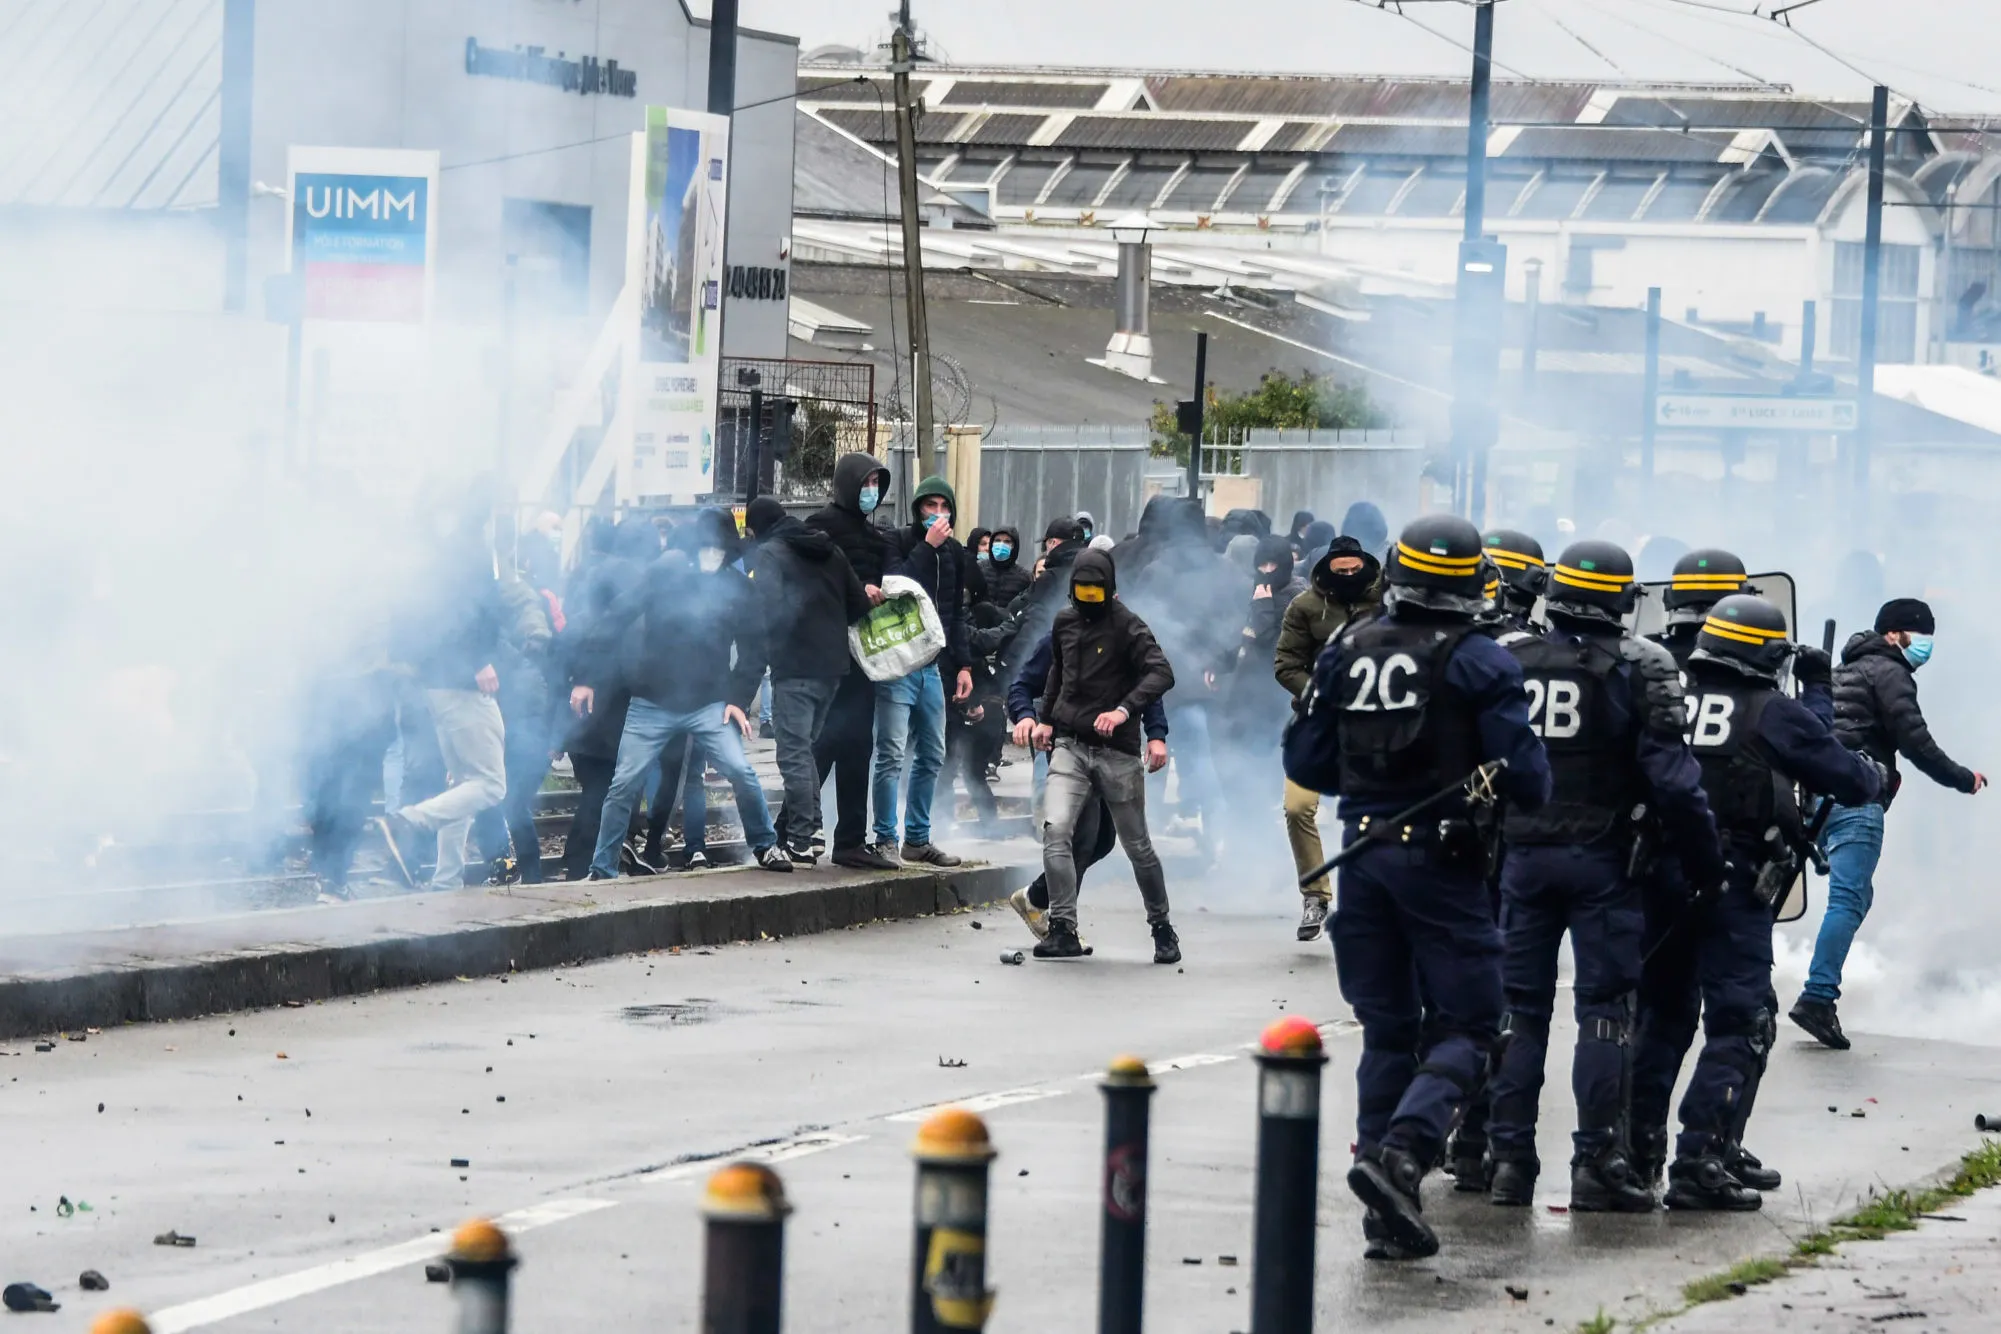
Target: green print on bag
897 622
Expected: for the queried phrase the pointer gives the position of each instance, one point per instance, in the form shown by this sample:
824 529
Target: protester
808 596
847 740
1105 668
1365 523
1007 577
591 664
526 705
1875 712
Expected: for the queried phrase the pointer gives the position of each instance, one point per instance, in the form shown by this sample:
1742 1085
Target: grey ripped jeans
1077 770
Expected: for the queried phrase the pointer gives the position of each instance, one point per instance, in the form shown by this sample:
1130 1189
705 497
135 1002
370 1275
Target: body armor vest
1403 734
1746 793
1595 780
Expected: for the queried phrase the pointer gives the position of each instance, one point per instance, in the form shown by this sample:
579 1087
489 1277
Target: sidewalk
67 982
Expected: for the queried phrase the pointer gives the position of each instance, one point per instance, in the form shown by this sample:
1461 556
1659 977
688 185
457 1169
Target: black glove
1811 667
1700 894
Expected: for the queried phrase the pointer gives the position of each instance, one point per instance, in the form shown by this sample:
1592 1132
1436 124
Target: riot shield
1651 615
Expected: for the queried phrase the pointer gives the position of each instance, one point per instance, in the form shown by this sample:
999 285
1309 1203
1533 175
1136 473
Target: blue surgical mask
1919 651
1002 551
870 498
931 520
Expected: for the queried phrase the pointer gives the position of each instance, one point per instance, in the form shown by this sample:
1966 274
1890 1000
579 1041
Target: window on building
1897 311
550 245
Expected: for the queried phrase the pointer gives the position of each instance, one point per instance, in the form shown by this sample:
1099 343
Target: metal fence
813 412
1324 471
1031 474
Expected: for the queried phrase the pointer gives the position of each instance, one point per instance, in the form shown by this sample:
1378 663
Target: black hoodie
809 596
867 547
1876 712
1102 657
1007 579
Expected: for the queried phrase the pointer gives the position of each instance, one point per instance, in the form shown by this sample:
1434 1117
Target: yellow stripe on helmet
1737 632
1593 580
1708 583
1426 563
1513 560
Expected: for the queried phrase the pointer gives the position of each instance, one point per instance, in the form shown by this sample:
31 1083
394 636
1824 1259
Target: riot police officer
1524 575
1753 743
1670 997
1403 708
1609 710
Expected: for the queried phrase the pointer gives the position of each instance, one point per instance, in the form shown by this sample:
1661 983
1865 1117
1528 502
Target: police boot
1376 1242
1468 1166
1387 1180
1748 1169
1649 1156
1705 1183
1607 1184
1511 1182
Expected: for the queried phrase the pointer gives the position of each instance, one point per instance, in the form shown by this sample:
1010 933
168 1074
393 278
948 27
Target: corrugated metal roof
1618 199
1800 198
1399 141
872 124
1137 188
1024 93
847 90
1590 143
1679 201
1198 189
1738 113
1442 99
1151 131
1745 196
1023 182
834 177
1293 134
1010 130
110 103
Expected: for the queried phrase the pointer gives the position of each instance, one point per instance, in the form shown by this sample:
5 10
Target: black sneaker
773 858
698 860
1512 1182
1706 1184
929 854
651 860
1819 1019
1166 945
863 858
818 845
802 856
1607 1184
1061 943
400 836
1387 1180
1749 1169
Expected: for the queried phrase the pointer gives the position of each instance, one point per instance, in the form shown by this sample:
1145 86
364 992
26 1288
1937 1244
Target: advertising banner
683 188
363 233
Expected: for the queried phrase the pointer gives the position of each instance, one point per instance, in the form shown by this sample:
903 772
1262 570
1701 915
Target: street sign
1754 412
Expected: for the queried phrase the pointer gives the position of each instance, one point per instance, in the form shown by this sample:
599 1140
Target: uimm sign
362 238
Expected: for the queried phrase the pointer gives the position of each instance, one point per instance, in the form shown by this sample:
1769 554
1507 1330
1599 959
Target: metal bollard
949 1267
744 1266
1289 1060
1122 1257
481 1262
120 1321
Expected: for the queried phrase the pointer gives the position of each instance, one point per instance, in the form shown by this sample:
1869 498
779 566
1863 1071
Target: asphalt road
309 1150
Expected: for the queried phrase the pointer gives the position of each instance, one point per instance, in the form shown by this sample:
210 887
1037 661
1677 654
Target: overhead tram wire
1396 7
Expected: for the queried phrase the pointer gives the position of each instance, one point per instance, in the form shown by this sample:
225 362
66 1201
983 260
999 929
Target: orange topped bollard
120 1321
1122 1246
482 1264
1290 1057
743 1266
949 1269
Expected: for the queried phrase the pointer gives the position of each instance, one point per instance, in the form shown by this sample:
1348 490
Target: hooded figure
859 484
1007 577
1330 600
1365 523
1256 706
942 568
1242 552
1313 543
1088 524
1301 521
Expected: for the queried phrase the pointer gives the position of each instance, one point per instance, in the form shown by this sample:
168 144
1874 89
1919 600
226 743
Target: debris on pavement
976 926
283 1057
92 1281
437 1273
1517 1291
1984 1122
1011 956
28 1297
1227 1261
45 1046
461 1162
950 1063
172 1238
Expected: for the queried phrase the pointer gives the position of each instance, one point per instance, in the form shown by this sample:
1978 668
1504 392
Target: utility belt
1455 841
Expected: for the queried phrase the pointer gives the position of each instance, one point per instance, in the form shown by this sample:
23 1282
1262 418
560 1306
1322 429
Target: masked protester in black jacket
847 740
1876 712
1007 577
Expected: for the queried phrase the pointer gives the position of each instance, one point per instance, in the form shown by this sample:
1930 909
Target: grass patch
1734 1280
1598 1324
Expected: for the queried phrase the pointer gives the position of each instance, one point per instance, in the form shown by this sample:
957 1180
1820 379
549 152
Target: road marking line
783 1151
319 1278
984 1102
1195 1062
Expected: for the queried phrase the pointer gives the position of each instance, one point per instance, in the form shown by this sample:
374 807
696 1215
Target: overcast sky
1940 51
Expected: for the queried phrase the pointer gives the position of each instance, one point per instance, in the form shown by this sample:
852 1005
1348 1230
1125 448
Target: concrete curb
263 976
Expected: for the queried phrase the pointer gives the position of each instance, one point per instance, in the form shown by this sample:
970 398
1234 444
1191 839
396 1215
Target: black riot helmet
1745 633
1436 565
1523 570
1700 580
1593 581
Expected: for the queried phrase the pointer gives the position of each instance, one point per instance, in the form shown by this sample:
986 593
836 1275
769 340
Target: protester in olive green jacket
1346 584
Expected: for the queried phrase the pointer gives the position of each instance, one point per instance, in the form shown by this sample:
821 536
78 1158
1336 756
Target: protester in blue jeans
910 711
675 635
1876 712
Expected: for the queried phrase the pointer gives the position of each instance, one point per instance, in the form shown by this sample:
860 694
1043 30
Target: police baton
1482 776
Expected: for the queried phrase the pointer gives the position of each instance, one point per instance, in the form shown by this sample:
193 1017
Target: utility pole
1482 298
1652 391
903 54
1872 278
722 102
1196 411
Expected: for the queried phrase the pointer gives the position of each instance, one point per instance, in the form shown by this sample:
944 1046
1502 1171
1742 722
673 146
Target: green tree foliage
1280 402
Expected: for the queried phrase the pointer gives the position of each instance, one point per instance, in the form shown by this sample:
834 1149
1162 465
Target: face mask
1002 551
931 520
870 498
1351 587
710 559
1919 651
1090 593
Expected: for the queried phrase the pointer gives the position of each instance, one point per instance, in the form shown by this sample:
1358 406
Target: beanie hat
1063 530
763 515
1905 614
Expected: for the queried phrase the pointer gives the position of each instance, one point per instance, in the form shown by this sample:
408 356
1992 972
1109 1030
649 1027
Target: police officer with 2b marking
1524 577
1405 709
1609 710
1754 743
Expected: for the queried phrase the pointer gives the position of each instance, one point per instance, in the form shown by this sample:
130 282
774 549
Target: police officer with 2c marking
1403 708
1609 710
1754 744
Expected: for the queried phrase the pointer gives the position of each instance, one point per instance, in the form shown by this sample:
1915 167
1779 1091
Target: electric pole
1872 279
903 55
1482 298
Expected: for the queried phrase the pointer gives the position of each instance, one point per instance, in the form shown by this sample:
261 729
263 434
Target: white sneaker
1036 919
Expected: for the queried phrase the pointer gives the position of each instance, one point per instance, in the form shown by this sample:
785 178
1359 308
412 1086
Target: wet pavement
309 1151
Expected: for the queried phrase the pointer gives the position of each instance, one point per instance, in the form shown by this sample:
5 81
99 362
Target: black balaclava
1275 551
1093 567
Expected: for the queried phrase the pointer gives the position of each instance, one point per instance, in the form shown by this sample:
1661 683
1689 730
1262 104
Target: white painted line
985 1102
319 1278
784 1151
1195 1062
